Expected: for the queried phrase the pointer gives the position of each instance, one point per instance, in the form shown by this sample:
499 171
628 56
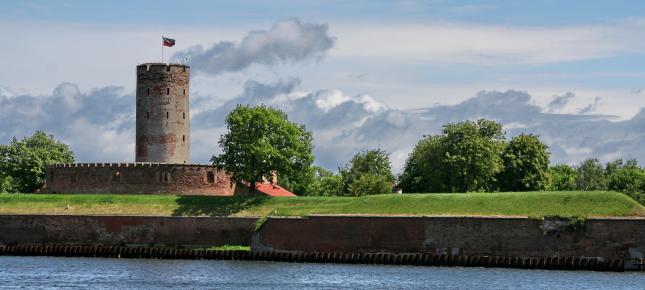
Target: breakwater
550 243
551 263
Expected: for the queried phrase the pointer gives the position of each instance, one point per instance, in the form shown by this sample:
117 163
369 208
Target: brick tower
163 120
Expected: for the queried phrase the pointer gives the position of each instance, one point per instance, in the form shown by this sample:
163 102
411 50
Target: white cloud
489 44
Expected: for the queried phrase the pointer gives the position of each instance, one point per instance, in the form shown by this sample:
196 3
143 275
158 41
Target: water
97 273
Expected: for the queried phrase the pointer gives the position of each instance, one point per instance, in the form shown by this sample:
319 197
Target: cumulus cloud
559 102
591 107
99 124
286 41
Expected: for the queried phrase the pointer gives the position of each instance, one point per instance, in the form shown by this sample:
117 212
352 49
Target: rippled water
93 273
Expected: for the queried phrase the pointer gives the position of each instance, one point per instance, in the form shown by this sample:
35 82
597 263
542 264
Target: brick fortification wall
518 237
142 178
125 230
163 119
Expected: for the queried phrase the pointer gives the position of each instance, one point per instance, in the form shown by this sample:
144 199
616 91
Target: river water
99 273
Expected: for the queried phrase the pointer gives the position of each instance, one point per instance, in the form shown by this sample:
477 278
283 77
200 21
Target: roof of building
271 189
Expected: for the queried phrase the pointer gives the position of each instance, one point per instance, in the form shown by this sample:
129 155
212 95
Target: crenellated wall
137 178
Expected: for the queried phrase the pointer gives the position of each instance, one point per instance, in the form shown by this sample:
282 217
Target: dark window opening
210 177
167 115
148 91
184 115
147 115
164 177
183 138
72 178
184 92
167 91
167 68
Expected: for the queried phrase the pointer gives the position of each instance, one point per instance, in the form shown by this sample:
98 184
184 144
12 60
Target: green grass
532 204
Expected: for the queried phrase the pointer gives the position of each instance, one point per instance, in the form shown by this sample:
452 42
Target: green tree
368 166
262 141
327 186
526 164
562 177
22 163
464 157
625 177
367 184
424 169
591 176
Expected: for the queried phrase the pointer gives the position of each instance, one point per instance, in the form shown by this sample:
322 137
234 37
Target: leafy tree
627 177
327 186
22 163
424 168
370 184
464 157
562 177
303 182
526 164
591 176
473 152
368 166
262 141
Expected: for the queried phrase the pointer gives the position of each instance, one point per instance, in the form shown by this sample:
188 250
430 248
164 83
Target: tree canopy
369 172
261 142
526 164
464 157
22 162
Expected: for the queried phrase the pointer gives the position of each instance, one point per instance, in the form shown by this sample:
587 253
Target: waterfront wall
464 236
605 239
124 230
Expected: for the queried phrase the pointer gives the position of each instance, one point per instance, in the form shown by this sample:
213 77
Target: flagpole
162 49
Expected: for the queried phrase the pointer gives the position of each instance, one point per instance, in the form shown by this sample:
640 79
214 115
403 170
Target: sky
359 74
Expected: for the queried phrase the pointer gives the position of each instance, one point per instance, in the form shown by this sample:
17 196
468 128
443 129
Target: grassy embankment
532 204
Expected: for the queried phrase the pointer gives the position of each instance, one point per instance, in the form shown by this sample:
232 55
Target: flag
169 42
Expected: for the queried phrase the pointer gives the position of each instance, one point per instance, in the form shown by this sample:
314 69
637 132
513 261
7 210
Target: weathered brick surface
143 178
119 230
163 117
519 237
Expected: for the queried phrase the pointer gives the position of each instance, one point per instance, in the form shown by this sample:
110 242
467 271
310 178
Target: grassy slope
534 204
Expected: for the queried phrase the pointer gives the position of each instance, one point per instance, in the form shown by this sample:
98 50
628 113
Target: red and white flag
169 42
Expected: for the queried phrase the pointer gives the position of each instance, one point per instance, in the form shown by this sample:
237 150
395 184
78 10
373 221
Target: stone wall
124 230
141 178
519 237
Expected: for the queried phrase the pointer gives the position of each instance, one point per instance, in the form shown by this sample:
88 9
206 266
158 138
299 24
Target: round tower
163 119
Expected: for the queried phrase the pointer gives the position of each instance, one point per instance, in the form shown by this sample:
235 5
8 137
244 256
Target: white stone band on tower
163 119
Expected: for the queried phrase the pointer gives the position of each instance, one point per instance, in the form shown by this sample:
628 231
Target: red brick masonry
141 178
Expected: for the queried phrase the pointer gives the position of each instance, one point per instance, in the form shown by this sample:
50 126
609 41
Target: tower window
148 91
210 177
167 115
184 92
184 115
147 115
168 68
183 138
164 177
167 91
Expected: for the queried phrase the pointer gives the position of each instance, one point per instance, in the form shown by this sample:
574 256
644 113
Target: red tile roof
272 189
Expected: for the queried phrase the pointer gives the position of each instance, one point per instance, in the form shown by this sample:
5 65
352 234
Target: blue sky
403 55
